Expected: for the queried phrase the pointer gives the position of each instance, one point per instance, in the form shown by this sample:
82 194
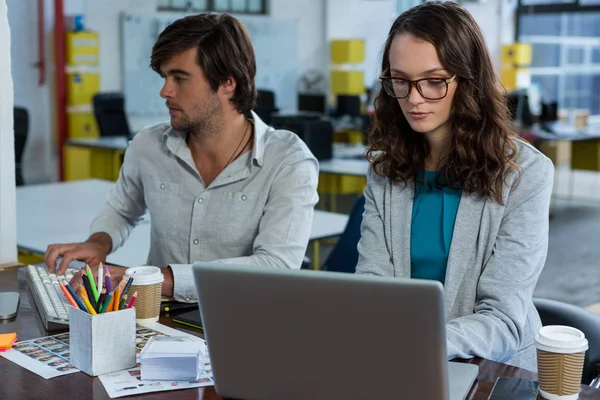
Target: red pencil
132 300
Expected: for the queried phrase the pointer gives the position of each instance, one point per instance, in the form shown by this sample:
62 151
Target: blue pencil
75 297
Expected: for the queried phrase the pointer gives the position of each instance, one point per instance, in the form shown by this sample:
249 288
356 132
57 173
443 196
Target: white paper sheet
48 356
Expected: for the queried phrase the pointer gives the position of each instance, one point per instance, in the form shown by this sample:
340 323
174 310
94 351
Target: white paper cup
147 282
560 355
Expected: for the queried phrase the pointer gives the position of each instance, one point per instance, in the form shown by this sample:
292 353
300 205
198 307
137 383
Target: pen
178 307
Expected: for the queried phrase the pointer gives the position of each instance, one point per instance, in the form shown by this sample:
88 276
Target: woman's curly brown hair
482 149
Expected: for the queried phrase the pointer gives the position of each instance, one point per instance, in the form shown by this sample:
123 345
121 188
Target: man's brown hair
224 51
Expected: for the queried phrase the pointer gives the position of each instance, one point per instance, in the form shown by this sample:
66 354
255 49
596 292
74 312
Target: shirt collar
176 138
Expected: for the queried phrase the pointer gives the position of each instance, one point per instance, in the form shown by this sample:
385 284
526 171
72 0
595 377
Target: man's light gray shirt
258 211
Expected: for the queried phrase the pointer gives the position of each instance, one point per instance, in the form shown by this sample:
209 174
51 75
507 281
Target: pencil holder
102 343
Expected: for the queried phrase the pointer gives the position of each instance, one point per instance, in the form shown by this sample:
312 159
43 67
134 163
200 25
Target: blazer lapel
464 243
401 203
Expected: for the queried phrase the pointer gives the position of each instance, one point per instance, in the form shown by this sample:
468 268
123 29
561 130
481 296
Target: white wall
310 16
8 226
39 159
360 19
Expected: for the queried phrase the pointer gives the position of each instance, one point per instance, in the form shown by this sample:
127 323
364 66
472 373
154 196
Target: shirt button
196 241
200 201
188 299
244 197
162 185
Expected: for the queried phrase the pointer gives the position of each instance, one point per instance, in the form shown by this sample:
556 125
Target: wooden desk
19 383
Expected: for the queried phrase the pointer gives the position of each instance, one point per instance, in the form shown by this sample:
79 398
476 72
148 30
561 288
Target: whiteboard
275 45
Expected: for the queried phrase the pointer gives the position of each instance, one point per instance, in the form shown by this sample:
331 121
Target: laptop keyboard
50 301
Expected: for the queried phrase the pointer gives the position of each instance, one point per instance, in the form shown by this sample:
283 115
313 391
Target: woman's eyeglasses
428 88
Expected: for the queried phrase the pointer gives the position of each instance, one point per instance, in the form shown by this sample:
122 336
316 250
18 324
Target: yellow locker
348 82
347 51
81 87
516 54
82 48
83 125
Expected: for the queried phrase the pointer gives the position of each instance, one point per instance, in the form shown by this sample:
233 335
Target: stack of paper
172 358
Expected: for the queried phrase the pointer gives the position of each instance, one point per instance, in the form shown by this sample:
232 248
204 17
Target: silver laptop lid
285 334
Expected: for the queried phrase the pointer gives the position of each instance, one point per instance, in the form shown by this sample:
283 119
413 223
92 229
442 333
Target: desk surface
350 167
105 142
62 213
19 383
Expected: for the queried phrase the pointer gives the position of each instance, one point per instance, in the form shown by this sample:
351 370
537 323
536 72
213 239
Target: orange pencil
68 295
111 304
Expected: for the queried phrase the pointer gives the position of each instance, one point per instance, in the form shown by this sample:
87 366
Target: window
230 6
565 36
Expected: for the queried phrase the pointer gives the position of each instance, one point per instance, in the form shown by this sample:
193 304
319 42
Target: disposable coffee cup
147 282
560 355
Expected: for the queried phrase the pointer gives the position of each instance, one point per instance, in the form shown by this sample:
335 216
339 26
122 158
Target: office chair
109 110
554 312
312 102
316 132
21 125
265 105
348 106
344 256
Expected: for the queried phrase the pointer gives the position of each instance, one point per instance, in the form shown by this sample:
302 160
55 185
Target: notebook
190 319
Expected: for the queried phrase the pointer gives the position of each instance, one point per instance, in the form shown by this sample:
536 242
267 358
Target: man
218 183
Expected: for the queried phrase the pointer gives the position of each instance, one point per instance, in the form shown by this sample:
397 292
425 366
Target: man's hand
92 252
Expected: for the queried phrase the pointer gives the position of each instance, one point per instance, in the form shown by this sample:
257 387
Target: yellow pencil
88 305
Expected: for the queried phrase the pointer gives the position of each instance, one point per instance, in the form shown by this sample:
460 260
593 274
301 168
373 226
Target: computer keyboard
50 301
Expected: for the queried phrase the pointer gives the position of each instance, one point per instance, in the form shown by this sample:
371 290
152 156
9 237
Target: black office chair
344 256
109 110
316 132
265 105
554 312
21 125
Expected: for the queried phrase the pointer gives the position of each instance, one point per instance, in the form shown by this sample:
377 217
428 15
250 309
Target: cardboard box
102 343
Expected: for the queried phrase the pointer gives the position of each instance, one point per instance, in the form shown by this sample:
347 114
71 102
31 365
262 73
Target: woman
453 194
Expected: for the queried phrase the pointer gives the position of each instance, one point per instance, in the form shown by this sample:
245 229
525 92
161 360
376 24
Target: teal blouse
433 215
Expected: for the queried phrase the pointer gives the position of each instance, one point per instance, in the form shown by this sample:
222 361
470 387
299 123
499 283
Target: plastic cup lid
561 339
145 275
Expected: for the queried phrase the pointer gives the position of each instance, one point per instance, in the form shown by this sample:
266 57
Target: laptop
301 334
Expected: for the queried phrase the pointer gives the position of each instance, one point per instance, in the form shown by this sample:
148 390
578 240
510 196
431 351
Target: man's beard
205 123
